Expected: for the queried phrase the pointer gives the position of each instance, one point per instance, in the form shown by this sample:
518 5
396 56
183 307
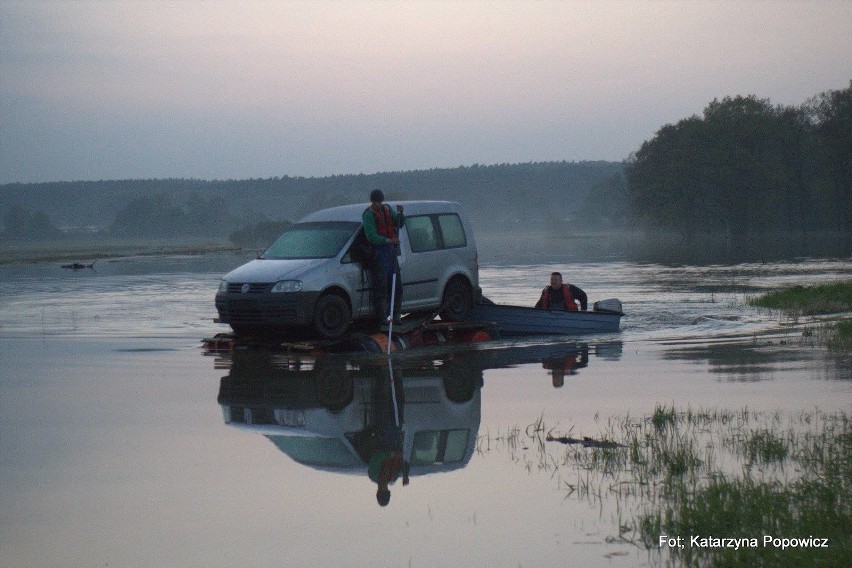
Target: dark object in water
586 441
78 265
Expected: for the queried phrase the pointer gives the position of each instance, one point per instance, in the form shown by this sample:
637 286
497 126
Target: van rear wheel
457 301
332 317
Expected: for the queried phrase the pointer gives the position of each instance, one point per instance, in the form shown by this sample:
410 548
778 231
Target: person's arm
398 216
579 295
540 303
370 230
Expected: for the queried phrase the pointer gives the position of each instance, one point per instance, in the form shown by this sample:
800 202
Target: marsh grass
838 336
738 474
662 417
832 298
799 301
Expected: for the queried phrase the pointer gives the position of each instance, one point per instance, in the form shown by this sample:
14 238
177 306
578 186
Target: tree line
748 167
242 208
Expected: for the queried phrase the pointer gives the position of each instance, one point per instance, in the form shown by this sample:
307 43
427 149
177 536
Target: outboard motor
609 306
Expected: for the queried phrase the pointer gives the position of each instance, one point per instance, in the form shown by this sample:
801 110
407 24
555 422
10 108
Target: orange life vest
384 222
566 295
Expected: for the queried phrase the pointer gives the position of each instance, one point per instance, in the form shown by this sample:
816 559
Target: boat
521 320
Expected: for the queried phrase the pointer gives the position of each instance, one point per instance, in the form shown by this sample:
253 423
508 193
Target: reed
717 473
835 297
823 299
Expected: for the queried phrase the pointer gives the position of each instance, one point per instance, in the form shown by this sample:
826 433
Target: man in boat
381 227
559 296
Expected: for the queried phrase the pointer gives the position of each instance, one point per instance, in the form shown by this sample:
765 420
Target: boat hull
521 320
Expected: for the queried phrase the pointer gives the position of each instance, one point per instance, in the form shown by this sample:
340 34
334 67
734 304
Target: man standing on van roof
559 296
381 226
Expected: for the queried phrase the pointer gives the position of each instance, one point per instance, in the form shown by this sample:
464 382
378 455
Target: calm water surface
124 443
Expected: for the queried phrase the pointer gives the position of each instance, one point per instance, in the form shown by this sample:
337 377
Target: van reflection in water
390 419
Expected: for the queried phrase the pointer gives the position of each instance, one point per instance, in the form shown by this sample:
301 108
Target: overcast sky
232 90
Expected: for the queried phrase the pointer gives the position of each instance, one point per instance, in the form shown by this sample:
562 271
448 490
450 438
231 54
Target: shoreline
512 245
35 253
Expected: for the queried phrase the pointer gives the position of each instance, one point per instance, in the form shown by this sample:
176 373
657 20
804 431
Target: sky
255 89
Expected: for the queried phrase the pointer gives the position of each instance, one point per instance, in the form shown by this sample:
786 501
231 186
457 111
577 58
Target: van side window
452 231
433 232
421 233
439 446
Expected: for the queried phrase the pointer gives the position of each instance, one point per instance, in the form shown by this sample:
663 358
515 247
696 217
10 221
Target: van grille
254 288
250 311
252 415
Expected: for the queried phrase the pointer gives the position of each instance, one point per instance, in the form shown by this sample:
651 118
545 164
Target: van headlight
223 285
287 286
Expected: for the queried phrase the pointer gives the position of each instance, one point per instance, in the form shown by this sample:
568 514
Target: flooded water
124 443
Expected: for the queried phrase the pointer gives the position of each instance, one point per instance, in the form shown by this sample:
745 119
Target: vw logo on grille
245 288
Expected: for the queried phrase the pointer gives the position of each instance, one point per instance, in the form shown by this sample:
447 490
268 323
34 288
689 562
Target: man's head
383 495
558 377
377 196
555 280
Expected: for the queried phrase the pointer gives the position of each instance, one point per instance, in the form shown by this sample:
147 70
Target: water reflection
569 365
391 418
558 359
746 362
366 416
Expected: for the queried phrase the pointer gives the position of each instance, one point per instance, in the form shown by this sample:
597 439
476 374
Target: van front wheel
334 387
331 317
457 301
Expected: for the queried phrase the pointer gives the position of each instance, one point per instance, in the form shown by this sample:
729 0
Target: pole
390 340
393 393
390 317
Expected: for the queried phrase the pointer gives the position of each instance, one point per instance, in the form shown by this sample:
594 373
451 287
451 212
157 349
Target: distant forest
743 171
498 197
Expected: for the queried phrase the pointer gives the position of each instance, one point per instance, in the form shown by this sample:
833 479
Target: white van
311 275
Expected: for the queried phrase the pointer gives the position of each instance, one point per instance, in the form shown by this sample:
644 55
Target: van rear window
452 231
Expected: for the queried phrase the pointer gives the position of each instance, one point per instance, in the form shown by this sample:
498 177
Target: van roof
354 212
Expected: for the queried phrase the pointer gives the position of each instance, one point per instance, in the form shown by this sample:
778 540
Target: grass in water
833 298
839 335
712 475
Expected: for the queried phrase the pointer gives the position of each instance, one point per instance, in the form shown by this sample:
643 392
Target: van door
423 264
356 275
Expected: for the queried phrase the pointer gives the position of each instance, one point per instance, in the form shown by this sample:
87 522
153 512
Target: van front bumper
265 309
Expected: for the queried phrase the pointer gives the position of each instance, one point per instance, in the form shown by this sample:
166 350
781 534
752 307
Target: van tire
335 389
245 331
457 301
332 317
461 385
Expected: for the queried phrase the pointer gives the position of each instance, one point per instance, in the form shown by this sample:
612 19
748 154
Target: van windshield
311 240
